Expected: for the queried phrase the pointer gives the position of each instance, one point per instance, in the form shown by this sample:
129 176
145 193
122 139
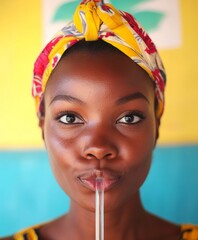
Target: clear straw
99 208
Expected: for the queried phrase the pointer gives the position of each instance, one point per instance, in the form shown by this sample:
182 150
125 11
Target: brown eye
131 118
70 118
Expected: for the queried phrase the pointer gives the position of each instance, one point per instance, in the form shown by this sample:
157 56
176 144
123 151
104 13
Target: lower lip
91 183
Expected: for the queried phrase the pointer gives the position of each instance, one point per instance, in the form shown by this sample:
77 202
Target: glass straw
99 214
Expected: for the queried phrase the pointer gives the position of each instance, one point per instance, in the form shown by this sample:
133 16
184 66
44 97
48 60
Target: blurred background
28 191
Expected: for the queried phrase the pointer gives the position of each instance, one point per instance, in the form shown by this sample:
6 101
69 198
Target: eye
70 118
131 118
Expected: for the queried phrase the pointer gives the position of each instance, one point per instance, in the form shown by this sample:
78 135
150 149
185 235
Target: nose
100 153
99 146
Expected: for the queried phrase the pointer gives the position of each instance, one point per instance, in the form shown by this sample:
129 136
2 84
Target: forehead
105 71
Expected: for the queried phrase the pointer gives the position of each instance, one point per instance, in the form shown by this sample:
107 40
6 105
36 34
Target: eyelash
134 115
66 114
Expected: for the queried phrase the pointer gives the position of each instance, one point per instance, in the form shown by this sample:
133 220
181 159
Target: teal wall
29 193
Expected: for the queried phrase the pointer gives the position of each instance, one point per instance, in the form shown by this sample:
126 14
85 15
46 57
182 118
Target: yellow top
188 232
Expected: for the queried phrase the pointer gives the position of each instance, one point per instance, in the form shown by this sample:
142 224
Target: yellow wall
20 43
180 121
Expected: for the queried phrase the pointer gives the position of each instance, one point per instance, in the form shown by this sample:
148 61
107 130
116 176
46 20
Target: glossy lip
88 179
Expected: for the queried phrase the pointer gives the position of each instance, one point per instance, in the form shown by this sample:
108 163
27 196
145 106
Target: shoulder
189 231
7 238
28 233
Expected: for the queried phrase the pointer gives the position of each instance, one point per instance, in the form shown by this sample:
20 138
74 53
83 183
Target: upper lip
88 178
92 174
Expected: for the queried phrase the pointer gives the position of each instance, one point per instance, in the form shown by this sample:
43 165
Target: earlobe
41 125
157 128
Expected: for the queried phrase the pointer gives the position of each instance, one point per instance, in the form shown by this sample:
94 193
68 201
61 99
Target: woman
99 90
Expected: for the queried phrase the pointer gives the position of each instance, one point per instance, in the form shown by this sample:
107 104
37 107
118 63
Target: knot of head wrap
94 20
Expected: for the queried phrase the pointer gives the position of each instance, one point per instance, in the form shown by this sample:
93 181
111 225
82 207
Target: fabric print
121 30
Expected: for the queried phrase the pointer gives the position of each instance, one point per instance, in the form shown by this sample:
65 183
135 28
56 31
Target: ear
157 125
41 125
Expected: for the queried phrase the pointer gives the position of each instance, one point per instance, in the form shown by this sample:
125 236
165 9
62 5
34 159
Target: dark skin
100 115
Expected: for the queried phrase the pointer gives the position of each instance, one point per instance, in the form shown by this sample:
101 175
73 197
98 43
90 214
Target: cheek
65 164
139 143
138 172
136 166
138 155
59 143
62 157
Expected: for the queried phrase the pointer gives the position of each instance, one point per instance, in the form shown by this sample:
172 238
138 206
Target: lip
111 179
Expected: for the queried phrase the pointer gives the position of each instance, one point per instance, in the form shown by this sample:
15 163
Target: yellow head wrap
95 20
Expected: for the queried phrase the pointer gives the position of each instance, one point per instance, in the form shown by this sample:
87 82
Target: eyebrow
130 97
66 98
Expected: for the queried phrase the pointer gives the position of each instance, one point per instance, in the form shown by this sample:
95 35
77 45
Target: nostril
108 155
99 154
90 156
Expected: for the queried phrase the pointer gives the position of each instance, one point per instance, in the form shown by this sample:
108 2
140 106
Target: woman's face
99 119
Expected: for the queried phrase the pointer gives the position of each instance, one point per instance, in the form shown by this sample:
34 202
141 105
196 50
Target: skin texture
109 102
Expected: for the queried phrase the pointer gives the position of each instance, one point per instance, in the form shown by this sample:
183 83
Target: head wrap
95 20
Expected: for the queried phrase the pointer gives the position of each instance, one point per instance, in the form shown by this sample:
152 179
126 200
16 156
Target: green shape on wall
65 11
126 5
150 19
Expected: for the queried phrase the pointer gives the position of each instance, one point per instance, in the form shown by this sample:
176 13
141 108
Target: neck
119 224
